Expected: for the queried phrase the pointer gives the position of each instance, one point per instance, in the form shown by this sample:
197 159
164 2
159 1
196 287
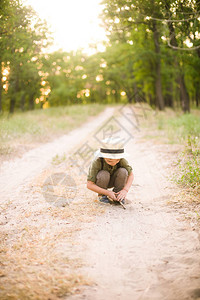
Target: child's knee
103 175
122 172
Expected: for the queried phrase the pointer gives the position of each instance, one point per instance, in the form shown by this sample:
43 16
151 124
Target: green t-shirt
95 167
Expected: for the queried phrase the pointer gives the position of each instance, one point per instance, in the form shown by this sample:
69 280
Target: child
110 169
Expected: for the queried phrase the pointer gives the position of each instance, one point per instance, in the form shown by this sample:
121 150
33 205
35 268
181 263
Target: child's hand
121 195
112 195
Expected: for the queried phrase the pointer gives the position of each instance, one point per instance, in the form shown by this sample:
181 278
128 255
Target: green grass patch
189 170
183 127
185 130
42 125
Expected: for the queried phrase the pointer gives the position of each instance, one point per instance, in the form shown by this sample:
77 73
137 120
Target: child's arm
95 188
122 194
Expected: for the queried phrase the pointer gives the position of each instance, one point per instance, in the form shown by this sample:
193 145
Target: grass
189 165
180 128
33 270
42 125
184 129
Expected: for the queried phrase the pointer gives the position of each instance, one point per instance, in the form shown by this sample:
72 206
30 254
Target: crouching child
108 170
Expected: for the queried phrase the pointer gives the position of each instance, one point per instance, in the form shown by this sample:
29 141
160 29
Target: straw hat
111 148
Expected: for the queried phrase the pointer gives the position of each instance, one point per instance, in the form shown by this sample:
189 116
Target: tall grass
185 129
42 125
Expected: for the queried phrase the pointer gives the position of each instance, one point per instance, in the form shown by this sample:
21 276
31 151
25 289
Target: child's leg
118 179
103 178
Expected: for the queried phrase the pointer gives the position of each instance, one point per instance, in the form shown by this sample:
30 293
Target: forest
152 55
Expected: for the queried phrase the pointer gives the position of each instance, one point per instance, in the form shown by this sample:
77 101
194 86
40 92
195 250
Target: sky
74 23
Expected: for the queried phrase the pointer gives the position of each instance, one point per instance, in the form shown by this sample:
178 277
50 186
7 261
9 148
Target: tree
64 75
123 18
23 37
170 25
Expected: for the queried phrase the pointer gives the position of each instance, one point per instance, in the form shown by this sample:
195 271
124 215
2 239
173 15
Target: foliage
23 38
160 73
143 58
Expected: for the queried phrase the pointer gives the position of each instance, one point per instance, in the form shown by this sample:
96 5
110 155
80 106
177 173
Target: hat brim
98 153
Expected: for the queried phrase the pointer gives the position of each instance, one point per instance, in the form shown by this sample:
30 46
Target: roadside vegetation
33 127
182 129
186 130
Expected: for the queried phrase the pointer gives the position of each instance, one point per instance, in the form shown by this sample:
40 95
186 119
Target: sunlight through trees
152 55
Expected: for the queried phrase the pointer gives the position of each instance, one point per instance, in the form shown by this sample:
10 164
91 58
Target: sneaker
104 199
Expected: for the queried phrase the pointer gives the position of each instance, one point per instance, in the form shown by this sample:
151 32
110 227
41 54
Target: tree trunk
13 97
151 100
197 96
130 97
15 92
22 103
12 104
158 86
137 97
169 97
31 102
185 101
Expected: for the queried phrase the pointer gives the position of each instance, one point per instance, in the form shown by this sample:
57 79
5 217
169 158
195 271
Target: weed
189 168
198 216
56 160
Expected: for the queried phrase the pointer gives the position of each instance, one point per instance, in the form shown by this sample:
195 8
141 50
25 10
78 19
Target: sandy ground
16 174
148 251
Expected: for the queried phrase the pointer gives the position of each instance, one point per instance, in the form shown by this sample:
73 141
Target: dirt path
16 174
148 251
